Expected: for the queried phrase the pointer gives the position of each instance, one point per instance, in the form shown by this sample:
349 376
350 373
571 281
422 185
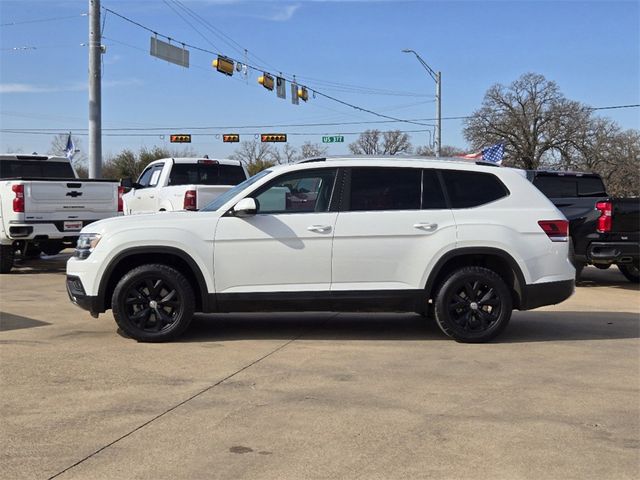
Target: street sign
273 137
180 138
170 53
333 139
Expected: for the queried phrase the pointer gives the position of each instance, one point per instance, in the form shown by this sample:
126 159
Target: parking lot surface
296 396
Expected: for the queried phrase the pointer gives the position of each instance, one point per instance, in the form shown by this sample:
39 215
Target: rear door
393 224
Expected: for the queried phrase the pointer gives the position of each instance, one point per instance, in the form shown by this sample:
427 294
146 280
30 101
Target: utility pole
95 91
437 77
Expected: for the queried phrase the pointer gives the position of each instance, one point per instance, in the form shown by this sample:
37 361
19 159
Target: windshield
229 194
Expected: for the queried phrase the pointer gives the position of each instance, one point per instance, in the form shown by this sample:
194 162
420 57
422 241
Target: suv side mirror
246 207
127 182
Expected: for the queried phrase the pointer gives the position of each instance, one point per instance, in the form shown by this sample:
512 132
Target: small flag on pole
492 154
70 149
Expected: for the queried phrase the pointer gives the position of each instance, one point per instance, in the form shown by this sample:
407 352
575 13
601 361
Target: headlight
86 243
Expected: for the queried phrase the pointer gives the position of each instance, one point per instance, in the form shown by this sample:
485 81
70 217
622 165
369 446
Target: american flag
70 149
492 154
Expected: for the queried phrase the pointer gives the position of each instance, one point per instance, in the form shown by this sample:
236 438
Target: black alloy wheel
153 303
473 305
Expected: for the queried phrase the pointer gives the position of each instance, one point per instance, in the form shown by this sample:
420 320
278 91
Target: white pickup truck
43 205
181 184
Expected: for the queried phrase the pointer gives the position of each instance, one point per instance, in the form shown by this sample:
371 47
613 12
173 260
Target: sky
349 50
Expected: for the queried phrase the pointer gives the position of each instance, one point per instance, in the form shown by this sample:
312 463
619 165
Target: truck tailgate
208 193
626 215
70 198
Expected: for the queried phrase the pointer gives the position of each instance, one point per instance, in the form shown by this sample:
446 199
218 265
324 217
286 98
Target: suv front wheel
473 305
153 303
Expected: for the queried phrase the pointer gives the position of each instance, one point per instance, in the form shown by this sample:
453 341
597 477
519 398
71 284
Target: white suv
466 242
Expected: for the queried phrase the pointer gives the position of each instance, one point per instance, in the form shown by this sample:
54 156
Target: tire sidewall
451 286
171 277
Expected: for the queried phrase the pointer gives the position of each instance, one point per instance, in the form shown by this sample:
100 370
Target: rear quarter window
472 189
569 186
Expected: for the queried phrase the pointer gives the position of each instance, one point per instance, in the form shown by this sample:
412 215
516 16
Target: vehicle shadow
534 326
44 264
611 277
9 321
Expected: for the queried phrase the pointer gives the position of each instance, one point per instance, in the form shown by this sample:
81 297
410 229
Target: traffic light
273 137
180 138
303 93
231 138
223 65
266 81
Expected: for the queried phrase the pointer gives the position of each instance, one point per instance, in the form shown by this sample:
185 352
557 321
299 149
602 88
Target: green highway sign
333 139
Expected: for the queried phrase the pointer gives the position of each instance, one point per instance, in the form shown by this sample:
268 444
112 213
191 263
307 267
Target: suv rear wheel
153 303
473 305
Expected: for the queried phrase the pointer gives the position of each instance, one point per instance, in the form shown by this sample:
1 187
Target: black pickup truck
604 230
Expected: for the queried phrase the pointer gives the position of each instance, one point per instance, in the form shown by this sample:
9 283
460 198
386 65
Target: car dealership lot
319 395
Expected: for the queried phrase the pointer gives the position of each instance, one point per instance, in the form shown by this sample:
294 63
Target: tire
631 271
6 258
579 266
473 305
153 303
53 248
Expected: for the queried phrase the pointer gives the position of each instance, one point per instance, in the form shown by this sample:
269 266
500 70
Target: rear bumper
541 294
77 295
613 252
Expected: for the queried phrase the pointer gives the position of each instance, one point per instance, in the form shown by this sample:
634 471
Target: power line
52 19
261 126
254 68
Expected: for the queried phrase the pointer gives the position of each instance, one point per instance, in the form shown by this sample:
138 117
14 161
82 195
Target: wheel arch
493 258
170 256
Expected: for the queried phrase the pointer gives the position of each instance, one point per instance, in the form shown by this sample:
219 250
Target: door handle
319 228
427 227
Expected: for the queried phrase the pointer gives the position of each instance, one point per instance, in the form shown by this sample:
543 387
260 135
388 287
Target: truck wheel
631 271
153 303
6 258
473 305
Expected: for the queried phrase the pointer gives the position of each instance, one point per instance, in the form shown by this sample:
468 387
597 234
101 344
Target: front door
286 246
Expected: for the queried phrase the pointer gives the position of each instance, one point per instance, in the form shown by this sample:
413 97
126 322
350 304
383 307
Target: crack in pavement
169 410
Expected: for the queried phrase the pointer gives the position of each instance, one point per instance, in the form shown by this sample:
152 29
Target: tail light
18 202
605 220
120 203
556 230
190 197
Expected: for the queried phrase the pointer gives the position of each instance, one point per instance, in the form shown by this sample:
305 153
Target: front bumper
77 295
540 294
613 252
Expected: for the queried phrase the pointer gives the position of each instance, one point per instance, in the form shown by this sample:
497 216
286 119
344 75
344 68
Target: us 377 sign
333 139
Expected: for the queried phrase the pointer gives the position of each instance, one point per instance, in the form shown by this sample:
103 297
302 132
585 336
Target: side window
385 189
306 191
432 194
144 179
471 189
155 175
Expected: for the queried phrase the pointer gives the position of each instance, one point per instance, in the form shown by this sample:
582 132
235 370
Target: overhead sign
333 139
169 53
273 137
281 87
231 138
180 138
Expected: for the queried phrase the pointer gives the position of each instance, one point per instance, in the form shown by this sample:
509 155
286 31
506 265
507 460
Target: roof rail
315 159
487 164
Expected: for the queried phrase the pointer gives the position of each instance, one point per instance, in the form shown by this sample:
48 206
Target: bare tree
368 143
373 142
395 142
445 151
309 150
256 155
531 116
